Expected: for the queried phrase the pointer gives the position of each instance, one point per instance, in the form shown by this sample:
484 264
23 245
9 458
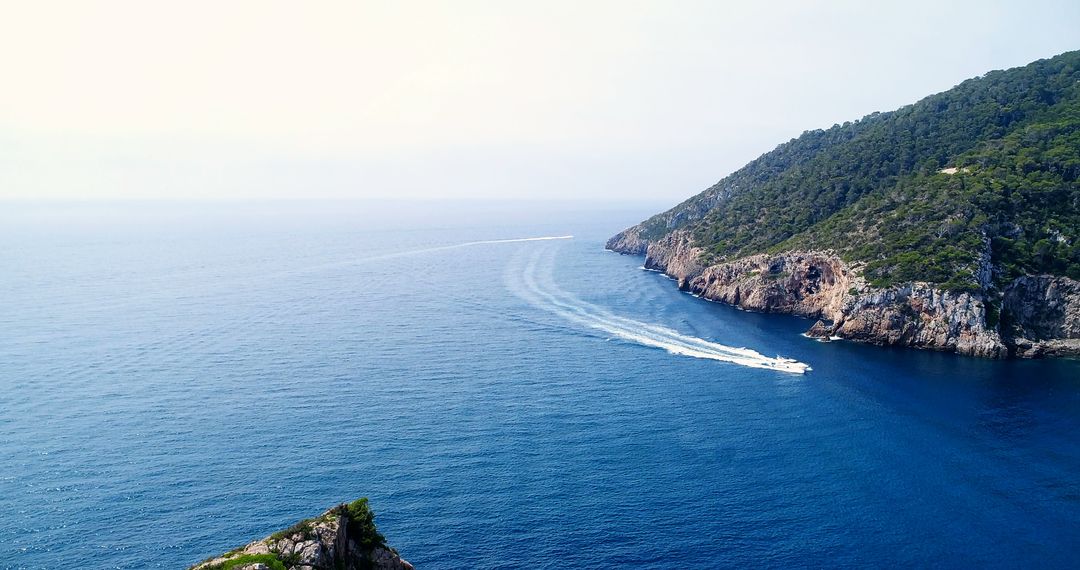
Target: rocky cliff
343 538
1039 315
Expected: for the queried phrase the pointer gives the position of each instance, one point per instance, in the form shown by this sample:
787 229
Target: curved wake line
466 244
297 271
514 240
457 246
549 297
229 283
411 252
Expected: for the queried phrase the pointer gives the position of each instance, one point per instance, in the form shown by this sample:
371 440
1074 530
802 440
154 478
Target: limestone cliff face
1041 316
329 541
921 316
1043 312
808 284
676 256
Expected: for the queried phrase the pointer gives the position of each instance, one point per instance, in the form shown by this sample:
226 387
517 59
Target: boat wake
411 252
246 280
538 288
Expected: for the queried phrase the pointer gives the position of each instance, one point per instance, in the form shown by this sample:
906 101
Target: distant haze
602 101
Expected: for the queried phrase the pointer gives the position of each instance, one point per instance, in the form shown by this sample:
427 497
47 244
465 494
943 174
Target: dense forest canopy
985 172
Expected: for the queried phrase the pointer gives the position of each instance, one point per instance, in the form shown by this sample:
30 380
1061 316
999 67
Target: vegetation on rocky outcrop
342 538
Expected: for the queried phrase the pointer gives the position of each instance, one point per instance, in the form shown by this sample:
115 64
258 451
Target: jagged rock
324 542
820 330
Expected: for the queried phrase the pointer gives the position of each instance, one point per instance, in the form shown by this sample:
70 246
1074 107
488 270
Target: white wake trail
549 297
412 252
458 246
513 240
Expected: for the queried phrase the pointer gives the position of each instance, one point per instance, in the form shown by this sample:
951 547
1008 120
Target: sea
180 378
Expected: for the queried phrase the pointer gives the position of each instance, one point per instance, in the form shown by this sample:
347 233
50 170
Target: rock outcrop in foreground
343 538
1039 316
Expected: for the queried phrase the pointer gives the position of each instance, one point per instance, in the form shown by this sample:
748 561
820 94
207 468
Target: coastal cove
204 375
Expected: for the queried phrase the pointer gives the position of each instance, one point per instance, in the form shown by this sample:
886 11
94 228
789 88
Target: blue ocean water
178 379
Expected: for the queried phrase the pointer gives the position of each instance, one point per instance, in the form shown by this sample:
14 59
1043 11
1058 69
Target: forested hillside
982 176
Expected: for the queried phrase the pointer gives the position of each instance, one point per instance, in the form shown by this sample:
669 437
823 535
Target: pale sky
610 101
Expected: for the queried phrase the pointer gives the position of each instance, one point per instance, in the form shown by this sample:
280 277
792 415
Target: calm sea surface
178 379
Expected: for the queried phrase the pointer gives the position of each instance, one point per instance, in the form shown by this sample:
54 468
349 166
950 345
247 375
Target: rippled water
176 380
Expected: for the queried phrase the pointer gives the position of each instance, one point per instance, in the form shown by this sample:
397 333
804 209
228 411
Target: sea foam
538 288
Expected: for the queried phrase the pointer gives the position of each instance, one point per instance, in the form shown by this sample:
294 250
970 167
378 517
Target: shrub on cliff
362 524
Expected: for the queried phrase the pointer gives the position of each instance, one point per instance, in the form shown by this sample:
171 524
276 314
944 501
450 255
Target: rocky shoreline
1039 315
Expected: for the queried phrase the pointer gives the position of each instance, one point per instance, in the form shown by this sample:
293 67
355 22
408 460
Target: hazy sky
593 100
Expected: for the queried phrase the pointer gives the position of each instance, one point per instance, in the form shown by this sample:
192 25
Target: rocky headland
1039 315
949 224
342 538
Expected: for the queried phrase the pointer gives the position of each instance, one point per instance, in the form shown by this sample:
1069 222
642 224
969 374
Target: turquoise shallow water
176 380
